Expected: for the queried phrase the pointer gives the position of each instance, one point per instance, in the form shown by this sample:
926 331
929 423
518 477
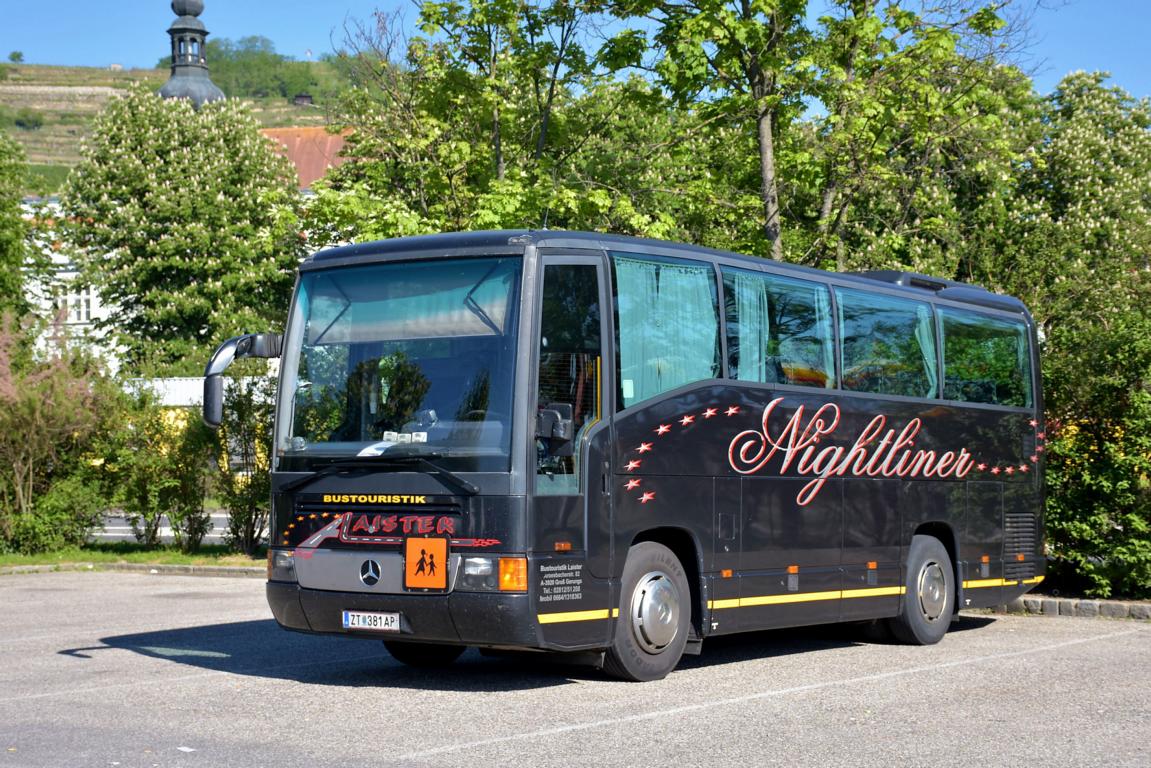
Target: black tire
423 655
654 615
929 602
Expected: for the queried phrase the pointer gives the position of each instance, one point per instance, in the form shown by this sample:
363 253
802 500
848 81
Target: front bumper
465 618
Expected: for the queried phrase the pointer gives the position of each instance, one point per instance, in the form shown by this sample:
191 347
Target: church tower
189 78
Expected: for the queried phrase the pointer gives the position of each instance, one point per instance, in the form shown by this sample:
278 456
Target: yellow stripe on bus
797 597
975 584
803 597
874 592
559 618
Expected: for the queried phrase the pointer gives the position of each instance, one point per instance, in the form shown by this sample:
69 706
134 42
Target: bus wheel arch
684 546
651 630
929 602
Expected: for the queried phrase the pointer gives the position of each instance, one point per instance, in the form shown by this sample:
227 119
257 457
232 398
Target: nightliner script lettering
878 451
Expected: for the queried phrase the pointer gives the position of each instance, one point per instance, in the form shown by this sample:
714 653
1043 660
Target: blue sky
1066 35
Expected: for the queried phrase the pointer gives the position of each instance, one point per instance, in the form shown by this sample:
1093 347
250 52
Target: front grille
310 507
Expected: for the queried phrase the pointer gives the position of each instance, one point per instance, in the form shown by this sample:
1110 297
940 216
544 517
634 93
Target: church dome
187 7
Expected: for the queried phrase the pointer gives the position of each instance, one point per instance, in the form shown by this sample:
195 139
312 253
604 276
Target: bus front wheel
423 655
652 627
929 601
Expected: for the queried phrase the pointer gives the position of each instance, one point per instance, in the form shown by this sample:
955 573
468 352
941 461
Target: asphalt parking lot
123 669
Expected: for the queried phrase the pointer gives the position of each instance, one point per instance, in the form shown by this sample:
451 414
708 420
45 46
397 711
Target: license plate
376 622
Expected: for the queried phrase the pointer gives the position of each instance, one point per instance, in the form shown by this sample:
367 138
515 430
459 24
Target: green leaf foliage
244 450
187 224
12 227
54 404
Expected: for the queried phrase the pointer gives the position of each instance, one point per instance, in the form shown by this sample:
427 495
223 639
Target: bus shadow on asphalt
770 643
262 649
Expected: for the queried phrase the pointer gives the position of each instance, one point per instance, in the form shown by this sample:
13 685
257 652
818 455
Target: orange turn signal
726 573
563 546
793 569
1021 557
985 559
513 574
872 565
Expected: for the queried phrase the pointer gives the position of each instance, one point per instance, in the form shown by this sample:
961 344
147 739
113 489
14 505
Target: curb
1044 605
162 570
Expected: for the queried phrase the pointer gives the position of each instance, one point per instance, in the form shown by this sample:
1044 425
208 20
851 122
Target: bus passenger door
571 518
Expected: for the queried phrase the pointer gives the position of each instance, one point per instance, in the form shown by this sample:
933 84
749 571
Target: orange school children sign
426 563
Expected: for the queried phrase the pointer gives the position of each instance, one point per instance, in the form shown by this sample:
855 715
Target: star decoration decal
633 484
633 465
710 412
733 410
663 429
647 496
643 448
686 420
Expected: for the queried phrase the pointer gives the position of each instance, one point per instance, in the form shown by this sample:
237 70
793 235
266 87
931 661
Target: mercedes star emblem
370 573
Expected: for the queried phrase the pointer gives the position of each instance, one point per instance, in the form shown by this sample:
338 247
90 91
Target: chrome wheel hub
655 607
932 591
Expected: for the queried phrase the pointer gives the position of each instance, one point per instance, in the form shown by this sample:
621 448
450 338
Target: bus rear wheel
652 627
423 655
929 601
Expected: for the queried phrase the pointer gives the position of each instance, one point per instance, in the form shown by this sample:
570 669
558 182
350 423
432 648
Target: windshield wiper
474 305
425 460
383 462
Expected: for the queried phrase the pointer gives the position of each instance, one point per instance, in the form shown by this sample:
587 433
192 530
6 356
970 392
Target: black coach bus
578 442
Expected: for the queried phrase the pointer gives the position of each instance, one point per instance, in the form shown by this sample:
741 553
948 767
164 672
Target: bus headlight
494 573
479 575
281 565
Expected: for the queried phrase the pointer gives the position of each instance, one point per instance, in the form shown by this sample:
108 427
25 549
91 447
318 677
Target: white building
61 295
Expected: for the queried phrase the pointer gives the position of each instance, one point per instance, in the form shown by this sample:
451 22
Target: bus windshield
401 358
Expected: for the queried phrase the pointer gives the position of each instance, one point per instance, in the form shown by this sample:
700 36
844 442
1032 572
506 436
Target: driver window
569 371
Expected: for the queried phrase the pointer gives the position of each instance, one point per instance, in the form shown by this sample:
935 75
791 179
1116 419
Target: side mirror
263 345
554 423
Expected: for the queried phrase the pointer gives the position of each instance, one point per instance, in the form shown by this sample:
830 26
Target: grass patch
45 179
131 552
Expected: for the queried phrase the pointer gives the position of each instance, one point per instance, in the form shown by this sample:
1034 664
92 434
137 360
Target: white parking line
560 730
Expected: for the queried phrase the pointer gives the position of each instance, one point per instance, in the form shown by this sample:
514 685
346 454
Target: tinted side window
667 324
985 360
778 329
569 369
888 345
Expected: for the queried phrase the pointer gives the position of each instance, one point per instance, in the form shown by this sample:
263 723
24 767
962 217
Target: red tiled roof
312 150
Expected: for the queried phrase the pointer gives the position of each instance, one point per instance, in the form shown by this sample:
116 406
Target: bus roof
516 240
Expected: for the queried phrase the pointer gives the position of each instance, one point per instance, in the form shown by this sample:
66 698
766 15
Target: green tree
16 57
12 227
884 74
1072 239
250 68
51 404
244 454
156 462
186 222
923 125
578 148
